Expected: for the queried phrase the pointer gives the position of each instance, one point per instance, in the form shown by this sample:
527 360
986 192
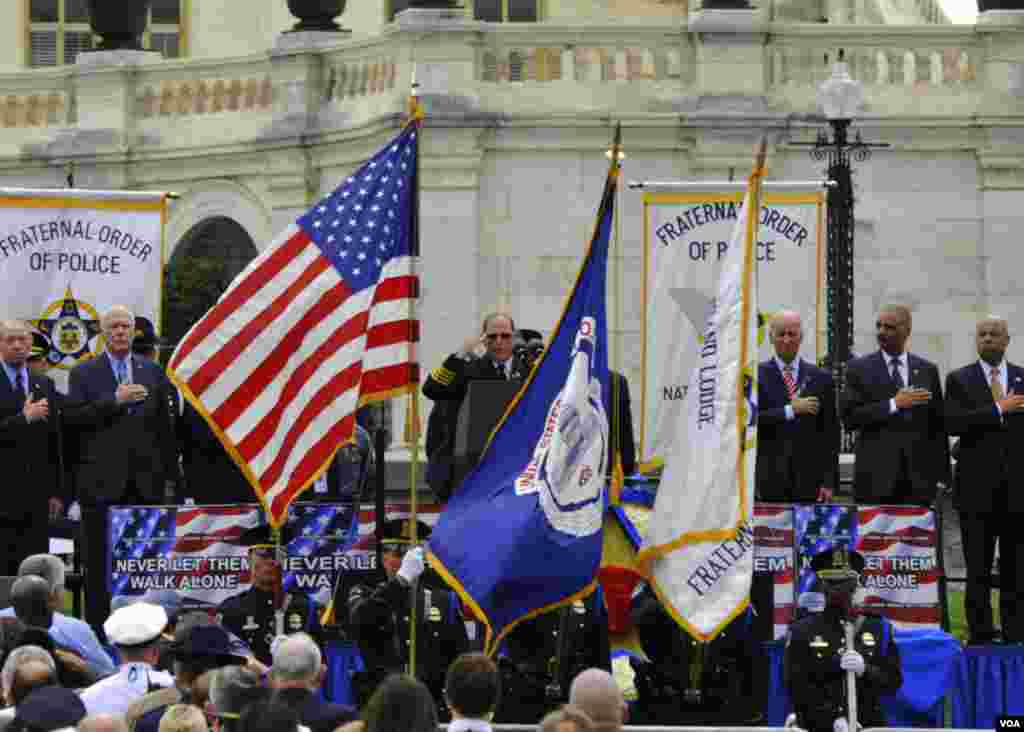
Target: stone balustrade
36 100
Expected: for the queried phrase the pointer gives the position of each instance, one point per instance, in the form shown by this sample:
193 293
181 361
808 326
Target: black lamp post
840 98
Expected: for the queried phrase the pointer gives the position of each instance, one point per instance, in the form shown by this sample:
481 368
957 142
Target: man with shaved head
595 693
797 430
894 399
118 404
28 449
985 409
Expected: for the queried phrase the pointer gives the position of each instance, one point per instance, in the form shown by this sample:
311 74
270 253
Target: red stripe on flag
918 614
258 437
782 614
277 359
315 457
324 398
388 334
387 378
402 287
235 299
229 352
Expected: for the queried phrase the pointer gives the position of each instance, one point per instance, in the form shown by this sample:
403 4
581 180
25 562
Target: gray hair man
68 633
296 676
232 690
18 658
595 692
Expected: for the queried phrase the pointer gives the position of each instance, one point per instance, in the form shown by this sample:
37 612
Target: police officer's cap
397 533
137 624
145 335
206 641
49 708
40 346
838 564
528 335
261 537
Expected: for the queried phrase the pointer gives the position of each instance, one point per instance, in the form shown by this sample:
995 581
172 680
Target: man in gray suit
117 403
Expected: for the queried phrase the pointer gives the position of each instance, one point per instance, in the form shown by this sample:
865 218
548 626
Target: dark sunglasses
496 336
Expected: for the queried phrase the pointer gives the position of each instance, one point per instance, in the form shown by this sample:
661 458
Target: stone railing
918 57
539 53
36 99
181 89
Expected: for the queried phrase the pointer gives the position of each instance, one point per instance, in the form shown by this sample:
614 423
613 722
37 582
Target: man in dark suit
488 356
985 408
296 676
797 430
28 449
894 398
118 404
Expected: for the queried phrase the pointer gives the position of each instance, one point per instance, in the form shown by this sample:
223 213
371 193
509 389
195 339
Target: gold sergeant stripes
443 376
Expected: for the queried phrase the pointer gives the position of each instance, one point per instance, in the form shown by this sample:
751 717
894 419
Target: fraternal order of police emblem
568 464
71 326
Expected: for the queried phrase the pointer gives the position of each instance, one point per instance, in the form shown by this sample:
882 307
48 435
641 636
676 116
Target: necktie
997 386
23 391
787 376
122 372
897 377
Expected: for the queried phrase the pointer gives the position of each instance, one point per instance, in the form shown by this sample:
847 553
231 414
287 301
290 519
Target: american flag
316 326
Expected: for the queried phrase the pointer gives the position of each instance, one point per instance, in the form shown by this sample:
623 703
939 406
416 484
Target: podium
485 403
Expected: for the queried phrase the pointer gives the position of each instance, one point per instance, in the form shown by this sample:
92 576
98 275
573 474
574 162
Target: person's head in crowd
183 718
566 719
992 336
50 568
38 353
787 333
18 657
30 676
397 540
46 709
15 342
269 716
197 649
401 704
595 692
233 689
136 630
103 723
30 598
118 328
838 570
145 342
892 328
498 333
472 686
297 663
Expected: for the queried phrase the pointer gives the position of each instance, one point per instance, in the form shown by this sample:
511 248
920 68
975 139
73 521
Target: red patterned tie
787 376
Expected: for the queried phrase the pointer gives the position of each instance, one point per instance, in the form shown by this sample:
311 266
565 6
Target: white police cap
136 624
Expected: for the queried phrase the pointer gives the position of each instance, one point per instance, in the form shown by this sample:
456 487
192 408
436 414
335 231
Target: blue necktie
121 367
897 377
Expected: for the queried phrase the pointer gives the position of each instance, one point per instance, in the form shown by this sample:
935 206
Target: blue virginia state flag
522 534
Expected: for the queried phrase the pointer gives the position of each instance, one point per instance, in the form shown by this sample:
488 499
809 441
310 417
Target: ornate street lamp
840 98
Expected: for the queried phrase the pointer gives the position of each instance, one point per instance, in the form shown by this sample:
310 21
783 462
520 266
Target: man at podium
489 356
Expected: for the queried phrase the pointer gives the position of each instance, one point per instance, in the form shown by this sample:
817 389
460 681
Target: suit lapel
1014 378
776 383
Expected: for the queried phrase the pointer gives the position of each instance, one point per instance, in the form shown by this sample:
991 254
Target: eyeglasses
496 336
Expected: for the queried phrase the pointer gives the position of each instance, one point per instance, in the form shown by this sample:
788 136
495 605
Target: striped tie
787 376
997 386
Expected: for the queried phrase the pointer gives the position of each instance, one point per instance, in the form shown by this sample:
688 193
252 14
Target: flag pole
415 117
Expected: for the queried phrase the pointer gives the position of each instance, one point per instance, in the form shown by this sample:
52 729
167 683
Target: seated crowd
186 674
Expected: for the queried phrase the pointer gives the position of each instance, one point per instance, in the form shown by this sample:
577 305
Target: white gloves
412 565
852 661
841 725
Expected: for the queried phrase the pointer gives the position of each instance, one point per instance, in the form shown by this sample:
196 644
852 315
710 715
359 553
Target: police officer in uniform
251 615
136 630
541 656
686 681
379 619
817 658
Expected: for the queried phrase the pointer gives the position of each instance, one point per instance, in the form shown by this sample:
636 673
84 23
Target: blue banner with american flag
522 533
316 326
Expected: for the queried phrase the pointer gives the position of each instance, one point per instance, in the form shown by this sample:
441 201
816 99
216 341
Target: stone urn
316 15
119 23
